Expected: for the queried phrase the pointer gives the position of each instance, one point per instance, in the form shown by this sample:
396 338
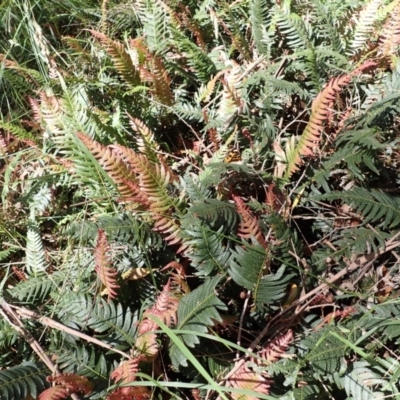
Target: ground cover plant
200 200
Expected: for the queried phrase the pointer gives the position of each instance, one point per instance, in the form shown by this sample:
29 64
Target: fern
206 249
373 205
121 59
110 321
196 312
35 255
312 133
106 273
215 213
360 381
23 380
250 268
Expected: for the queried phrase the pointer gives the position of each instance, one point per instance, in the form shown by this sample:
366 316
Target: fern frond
373 205
277 348
72 382
130 393
21 381
55 393
215 213
105 272
122 60
153 181
312 133
390 37
207 251
365 25
35 254
111 321
246 378
146 143
123 177
361 381
249 269
249 225
126 372
196 311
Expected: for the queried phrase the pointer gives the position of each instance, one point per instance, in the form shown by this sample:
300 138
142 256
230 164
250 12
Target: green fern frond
365 25
207 250
373 205
215 213
198 60
112 323
83 361
196 312
361 381
260 23
22 381
249 268
35 255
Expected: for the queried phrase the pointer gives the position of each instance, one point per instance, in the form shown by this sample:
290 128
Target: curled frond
55 393
130 393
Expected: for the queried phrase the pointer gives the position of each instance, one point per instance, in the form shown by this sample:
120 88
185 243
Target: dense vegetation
200 200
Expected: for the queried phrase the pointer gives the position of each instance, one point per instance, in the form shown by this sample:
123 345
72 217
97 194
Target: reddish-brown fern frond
106 273
153 180
311 136
54 393
165 309
277 348
116 169
122 60
249 225
75 383
130 393
245 378
127 371
19 274
146 140
152 70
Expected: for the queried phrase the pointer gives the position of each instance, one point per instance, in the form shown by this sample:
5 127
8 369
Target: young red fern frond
153 180
165 309
66 384
311 136
249 225
122 60
277 348
130 393
55 393
105 272
245 378
75 383
117 170
127 371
